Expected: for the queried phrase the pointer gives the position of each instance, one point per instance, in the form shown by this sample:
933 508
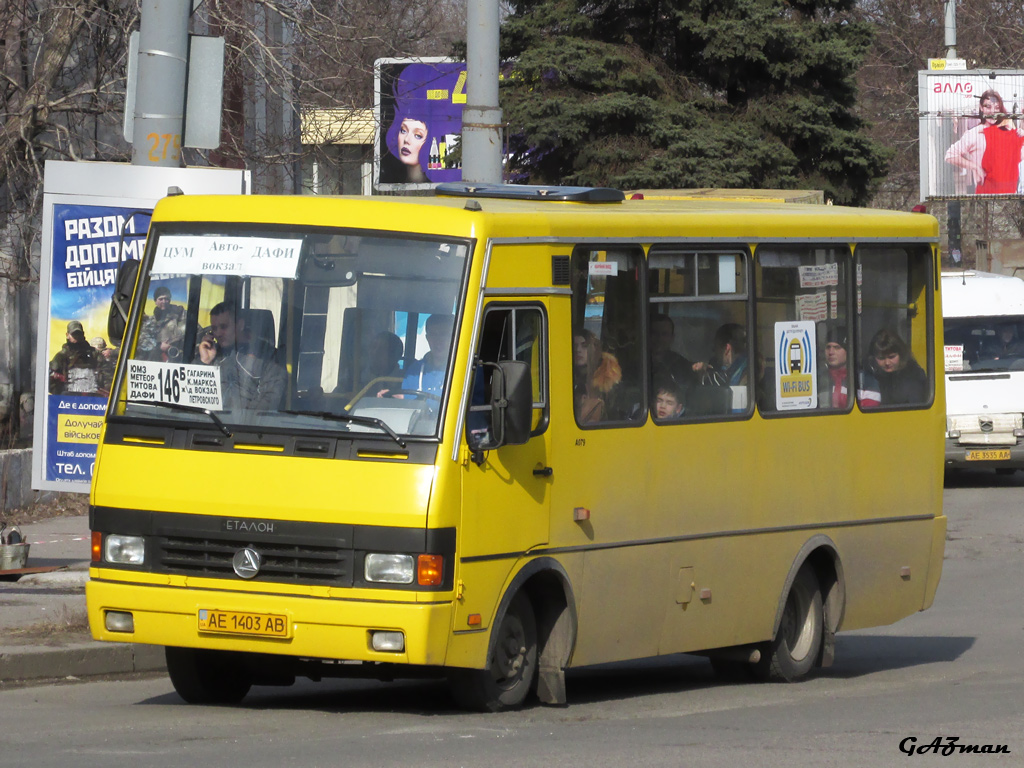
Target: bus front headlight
127 550
389 569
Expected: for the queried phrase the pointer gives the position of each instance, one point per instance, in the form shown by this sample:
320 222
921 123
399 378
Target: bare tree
62 93
907 34
63 84
60 97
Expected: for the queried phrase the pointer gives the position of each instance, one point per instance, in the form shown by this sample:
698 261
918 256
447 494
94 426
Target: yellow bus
504 431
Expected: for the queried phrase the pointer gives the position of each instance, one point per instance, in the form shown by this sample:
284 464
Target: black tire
797 645
207 677
511 672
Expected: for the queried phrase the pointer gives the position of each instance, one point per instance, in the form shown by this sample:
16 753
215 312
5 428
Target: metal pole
481 117
954 242
950 29
160 92
953 207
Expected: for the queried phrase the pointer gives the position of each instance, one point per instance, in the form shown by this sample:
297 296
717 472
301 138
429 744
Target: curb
36 663
72 578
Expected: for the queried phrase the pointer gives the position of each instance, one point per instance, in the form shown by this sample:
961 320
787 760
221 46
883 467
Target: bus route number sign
196 386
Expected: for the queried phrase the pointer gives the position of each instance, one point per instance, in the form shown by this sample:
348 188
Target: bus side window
895 298
508 333
804 350
698 355
607 339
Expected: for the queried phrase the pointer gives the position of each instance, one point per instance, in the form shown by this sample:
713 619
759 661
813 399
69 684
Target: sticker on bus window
812 306
604 268
227 255
796 370
196 386
819 275
954 357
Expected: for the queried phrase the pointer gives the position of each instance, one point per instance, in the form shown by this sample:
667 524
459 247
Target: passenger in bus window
729 363
668 400
666 363
595 375
250 377
835 363
427 373
896 376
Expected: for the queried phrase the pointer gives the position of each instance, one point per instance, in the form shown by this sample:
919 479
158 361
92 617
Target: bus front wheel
207 677
511 669
797 644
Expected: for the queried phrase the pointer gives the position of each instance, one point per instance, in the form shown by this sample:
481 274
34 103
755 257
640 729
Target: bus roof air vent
529 192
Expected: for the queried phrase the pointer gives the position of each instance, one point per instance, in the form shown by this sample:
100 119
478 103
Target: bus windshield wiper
187 409
369 421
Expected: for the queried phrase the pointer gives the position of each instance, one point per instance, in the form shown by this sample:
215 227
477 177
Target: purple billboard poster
419 105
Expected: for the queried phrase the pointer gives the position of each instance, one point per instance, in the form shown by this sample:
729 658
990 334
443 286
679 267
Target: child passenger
668 401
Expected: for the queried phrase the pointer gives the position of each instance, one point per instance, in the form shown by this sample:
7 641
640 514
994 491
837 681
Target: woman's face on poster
411 136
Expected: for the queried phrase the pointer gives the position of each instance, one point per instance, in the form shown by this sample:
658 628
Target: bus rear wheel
797 644
207 677
511 669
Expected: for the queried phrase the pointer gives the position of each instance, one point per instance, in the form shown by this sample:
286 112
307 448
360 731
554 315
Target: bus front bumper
316 627
982 456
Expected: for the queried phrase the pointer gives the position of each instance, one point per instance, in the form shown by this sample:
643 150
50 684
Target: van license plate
1002 454
242 623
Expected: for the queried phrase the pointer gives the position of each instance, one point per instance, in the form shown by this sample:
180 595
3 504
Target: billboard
95 216
971 133
418 109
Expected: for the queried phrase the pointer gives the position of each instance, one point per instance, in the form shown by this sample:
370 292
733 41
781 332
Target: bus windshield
293 329
992 343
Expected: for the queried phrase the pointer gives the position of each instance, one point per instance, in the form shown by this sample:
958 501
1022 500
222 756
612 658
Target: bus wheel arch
541 587
550 592
816 568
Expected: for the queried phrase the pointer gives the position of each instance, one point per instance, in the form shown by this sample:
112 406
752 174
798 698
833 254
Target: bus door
505 490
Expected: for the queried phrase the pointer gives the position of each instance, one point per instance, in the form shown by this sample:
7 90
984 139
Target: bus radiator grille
290 563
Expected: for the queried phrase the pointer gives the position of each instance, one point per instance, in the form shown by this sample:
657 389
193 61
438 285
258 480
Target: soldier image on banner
75 369
163 332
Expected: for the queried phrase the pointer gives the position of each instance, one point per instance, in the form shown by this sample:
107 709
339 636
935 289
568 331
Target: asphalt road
955 670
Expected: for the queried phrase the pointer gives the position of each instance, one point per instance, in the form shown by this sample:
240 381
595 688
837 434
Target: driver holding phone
249 380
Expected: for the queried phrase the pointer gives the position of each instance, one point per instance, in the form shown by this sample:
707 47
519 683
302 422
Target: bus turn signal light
429 570
97 546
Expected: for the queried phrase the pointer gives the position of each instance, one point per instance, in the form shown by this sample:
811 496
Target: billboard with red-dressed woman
972 133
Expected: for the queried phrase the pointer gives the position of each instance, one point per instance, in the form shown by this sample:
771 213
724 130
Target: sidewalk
44 633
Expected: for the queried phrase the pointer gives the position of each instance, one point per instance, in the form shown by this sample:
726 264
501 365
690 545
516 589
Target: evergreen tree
689 93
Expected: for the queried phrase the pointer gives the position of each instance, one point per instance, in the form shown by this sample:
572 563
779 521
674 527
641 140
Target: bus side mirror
121 300
511 403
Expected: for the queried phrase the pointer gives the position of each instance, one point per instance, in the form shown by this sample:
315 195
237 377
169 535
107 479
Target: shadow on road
984 478
859 654
856 656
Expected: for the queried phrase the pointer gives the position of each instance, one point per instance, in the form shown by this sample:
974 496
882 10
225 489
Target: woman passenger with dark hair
901 381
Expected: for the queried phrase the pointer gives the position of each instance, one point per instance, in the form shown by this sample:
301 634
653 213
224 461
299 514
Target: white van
983 320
